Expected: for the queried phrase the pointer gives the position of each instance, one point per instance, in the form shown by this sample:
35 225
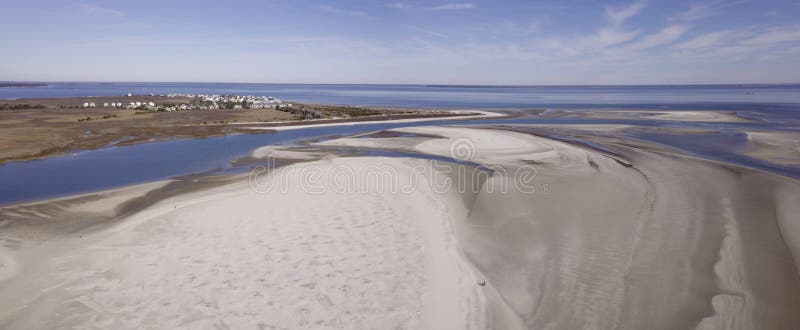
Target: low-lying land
36 128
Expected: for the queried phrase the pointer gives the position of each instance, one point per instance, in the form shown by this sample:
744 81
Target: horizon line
403 84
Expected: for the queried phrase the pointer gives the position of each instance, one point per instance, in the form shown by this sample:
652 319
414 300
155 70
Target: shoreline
215 129
454 115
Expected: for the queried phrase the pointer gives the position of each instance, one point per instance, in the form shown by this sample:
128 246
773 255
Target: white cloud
443 7
617 16
608 37
340 11
704 9
707 40
534 27
750 43
99 11
453 6
774 36
666 36
428 32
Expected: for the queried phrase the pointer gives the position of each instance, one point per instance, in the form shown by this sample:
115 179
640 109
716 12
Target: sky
567 42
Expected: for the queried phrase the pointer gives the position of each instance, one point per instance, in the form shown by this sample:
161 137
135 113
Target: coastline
57 127
600 242
453 115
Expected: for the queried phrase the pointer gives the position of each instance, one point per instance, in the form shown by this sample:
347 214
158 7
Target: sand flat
667 115
775 147
654 240
292 259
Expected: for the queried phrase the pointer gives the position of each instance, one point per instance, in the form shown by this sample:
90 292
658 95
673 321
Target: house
105 104
92 105
85 104
260 105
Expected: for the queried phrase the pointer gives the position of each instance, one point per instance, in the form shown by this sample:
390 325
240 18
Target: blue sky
433 41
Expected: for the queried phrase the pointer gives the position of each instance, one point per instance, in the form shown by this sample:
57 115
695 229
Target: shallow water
110 167
731 97
778 105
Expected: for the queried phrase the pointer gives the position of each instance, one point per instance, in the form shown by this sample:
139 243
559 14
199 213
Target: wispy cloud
340 11
607 37
617 16
534 27
704 9
604 37
663 37
775 36
99 11
745 44
428 32
129 26
707 40
453 6
442 7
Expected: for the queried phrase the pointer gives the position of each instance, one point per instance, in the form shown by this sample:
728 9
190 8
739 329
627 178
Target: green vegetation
343 111
98 118
21 106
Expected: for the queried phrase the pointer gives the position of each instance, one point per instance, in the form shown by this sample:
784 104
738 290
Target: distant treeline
21 84
21 106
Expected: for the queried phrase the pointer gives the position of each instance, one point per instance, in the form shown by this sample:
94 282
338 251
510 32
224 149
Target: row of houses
131 105
201 102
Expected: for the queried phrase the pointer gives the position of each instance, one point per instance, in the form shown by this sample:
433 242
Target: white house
105 104
85 104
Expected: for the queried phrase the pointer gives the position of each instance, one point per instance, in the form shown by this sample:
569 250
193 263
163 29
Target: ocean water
110 167
729 97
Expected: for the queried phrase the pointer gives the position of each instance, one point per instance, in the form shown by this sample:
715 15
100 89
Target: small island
7 84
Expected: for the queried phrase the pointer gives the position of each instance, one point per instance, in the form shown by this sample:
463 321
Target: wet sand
654 240
775 147
666 115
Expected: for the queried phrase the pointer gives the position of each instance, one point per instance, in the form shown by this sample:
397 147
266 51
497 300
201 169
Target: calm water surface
435 96
118 166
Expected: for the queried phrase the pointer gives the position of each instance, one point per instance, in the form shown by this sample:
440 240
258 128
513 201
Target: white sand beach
232 257
652 240
632 239
462 114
